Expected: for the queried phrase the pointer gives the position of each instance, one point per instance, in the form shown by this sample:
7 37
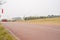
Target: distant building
4 20
17 18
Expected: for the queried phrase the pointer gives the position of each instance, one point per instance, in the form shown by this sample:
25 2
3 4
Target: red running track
25 31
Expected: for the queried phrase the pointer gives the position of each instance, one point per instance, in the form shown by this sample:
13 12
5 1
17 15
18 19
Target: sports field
39 29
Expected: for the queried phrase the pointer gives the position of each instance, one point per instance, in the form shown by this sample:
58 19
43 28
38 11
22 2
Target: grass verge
5 35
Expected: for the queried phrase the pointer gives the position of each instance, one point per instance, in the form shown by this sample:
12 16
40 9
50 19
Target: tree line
40 17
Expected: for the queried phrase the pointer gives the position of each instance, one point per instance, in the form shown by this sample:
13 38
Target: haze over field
20 8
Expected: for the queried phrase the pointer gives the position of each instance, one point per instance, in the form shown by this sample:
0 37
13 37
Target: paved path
25 31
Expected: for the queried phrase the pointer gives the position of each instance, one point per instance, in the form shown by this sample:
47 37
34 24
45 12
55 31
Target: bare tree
2 2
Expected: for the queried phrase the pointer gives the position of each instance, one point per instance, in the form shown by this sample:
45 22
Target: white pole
1 9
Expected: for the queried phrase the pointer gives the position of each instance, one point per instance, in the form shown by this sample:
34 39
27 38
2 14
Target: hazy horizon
21 8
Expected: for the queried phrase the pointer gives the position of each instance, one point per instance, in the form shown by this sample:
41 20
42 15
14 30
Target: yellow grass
47 20
55 20
5 35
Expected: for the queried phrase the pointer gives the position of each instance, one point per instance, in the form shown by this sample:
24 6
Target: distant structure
4 20
16 18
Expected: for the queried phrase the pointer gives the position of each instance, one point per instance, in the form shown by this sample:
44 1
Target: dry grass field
55 20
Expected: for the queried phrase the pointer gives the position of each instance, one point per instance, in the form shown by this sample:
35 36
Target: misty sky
20 8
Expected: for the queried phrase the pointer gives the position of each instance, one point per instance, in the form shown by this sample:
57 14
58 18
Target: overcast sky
20 8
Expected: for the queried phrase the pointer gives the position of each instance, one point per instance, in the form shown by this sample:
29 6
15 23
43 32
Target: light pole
2 2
